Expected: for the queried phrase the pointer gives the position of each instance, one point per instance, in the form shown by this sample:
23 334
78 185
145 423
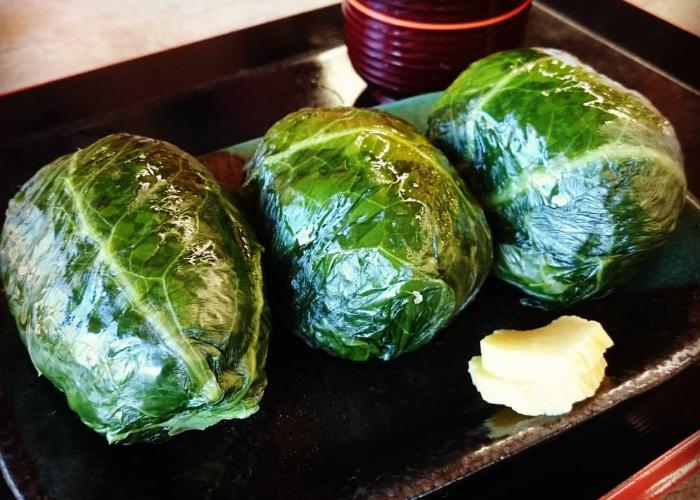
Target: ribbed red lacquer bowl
407 47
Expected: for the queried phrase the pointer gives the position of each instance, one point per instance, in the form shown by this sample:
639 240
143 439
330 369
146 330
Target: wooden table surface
683 13
46 40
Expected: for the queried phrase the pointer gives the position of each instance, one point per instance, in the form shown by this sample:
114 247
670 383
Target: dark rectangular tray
329 428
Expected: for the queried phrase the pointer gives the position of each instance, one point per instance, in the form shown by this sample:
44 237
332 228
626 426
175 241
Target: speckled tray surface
321 413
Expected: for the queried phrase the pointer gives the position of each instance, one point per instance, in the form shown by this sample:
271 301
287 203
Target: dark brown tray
329 428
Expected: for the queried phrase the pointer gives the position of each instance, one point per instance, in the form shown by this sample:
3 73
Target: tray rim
5 470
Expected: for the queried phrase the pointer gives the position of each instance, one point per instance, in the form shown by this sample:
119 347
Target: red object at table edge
662 475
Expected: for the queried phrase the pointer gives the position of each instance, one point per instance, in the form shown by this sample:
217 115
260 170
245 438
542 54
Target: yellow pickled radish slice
551 397
567 347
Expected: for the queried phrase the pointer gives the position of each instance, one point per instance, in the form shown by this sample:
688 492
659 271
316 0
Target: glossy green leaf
581 178
137 289
377 235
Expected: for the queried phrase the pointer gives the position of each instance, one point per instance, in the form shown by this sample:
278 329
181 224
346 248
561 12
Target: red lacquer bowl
407 47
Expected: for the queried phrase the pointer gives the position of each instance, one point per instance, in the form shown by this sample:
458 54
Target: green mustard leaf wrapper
137 289
371 226
582 179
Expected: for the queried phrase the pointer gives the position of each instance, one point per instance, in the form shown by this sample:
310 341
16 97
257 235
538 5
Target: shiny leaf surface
137 289
581 178
371 225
